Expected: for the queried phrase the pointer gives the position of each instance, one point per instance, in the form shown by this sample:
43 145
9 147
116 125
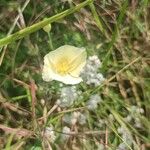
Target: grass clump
109 109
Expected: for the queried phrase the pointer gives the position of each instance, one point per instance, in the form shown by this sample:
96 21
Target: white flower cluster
100 146
101 123
67 96
90 72
134 116
126 136
65 133
75 117
136 109
49 133
92 103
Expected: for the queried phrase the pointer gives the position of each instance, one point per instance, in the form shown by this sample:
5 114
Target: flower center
62 66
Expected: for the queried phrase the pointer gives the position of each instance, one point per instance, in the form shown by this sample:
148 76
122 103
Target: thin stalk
96 17
26 31
115 33
19 97
50 41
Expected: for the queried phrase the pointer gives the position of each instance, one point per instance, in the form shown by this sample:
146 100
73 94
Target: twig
33 98
19 132
15 108
83 133
114 76
50 111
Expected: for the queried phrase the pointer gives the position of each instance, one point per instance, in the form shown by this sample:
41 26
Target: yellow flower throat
62 66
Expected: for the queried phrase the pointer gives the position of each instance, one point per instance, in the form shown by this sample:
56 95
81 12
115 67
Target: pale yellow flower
64 64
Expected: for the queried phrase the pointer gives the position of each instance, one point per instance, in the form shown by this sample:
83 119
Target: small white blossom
65 133
82 119
101 123
90 72
67 118
67 96
92 103
120 130
136 109
133 109
129 118
138 123
111 117
140 110
122 146
100 146
75 117
126 136
135 113
50 134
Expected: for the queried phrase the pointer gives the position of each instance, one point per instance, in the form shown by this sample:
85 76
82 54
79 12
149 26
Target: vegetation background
118 32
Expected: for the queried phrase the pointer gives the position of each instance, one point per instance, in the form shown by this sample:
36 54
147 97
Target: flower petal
68 79
47 73
78 63
76 59
68 51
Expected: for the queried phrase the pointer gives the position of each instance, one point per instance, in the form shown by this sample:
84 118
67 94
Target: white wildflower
135 113
74 117
140 110
100 146
92 103
67 96
101 123
138 123
64 64
133 109
126 136
90 72
50 134
120 130
122 146
82 119
65 133
111 117
136 110
67 118
129 118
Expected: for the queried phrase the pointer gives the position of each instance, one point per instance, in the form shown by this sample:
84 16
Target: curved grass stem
26 31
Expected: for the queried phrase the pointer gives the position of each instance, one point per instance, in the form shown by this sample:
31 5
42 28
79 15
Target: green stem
19 97
26 31
115 33
50 41
96 17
